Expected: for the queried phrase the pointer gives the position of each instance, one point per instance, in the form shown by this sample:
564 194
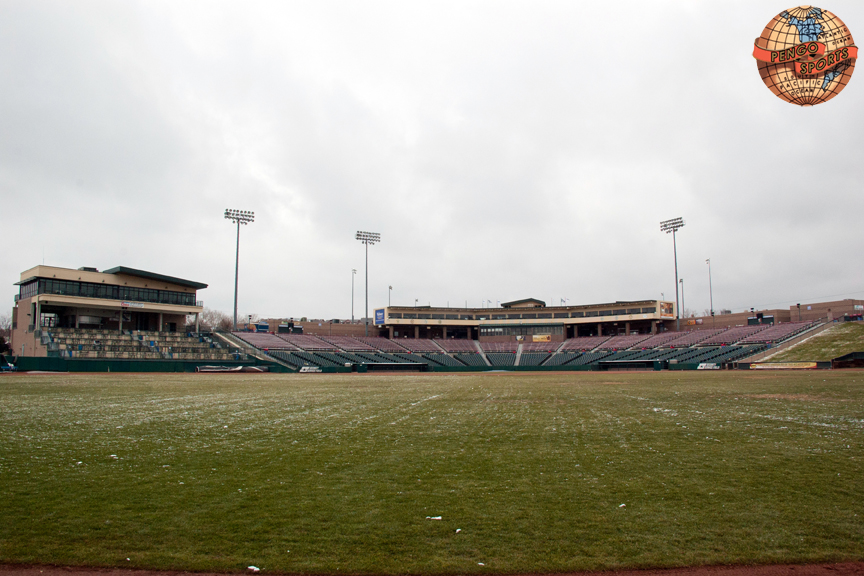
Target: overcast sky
503 150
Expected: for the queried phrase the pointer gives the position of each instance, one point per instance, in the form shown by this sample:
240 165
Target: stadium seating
696 346
383 344
305 342
471 359
692 338
540 346
501 358
732 335
264 341
659 340
457 345
561 358
778 333
499 346
442 359
583 343
135 345
347 343
623 342
419 345
590 358
533 358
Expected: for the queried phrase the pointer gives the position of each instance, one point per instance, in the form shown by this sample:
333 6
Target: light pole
710 291
367 238
353 273
389 293
682 297
673 226
240 217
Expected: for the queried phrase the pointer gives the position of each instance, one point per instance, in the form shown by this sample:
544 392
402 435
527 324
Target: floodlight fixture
367 238
672 226
239 217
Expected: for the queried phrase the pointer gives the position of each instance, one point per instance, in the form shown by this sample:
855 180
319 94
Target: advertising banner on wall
379 316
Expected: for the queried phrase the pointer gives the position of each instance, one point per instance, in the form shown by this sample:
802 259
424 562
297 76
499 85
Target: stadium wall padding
28 363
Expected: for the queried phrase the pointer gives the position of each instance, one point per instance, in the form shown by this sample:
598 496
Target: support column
653 327
416 331
626 328
77 320
443 332
160 321
599 329
37 321
390 328
196 323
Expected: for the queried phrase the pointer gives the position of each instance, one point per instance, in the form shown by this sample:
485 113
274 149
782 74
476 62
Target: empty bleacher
457 345
691 338
471 359
731 335
347 343
383 344
305 342
533 358
499 346
695 346
419 345
501 358
582 344
134 345
778 333
540 346
623 342
264 341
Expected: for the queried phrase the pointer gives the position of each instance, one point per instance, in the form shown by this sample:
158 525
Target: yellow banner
784 366
542 338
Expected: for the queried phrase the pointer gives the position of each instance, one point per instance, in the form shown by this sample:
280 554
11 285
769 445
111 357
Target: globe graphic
796 26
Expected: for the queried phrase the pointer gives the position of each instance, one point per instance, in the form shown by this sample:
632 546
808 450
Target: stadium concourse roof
153 276
124 270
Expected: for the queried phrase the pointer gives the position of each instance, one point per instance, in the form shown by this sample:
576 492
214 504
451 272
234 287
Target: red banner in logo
809 58
805 50
827 61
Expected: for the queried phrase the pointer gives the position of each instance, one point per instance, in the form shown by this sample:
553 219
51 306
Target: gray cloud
503 150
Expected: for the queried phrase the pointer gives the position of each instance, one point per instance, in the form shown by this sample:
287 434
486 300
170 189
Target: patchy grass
837 341
338 473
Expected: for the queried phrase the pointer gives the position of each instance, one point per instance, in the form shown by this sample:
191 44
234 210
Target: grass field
837 341
338 474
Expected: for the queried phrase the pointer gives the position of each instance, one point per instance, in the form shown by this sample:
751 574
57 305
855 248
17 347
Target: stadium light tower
673 226
240 217
367 238
353 273
710 291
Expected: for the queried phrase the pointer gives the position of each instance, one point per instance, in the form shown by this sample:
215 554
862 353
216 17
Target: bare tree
6 326
215 320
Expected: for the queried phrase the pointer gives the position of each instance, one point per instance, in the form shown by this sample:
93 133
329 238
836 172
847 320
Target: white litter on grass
253 569
622 506
480 564
433 517
127 559
458 530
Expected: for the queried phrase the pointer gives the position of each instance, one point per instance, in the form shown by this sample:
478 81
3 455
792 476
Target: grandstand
575 353
72 343
128 314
